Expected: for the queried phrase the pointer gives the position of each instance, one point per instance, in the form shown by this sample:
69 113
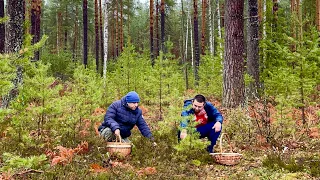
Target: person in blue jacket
209 119
120 118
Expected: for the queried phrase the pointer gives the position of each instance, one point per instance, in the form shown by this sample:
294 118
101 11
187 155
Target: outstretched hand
217 126
183 134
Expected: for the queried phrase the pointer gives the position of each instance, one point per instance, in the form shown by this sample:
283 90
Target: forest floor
298 159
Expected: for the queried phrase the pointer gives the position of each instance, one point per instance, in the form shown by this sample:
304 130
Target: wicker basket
226 158
123 149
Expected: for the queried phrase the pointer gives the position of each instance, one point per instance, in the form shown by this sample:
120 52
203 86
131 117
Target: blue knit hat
132 97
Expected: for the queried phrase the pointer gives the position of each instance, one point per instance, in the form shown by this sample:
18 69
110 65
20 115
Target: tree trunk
293 25
233 72
219 27
2 27
196 42
187 35
75 38
85 33
151 32
14 39
157 30
121 26
66 30
112 27
275 15
105 34
101 37
15 31
162 26
318 15
117 28
211 26
223 14
203 27
191 41
96 28
35 24
182 34
253 48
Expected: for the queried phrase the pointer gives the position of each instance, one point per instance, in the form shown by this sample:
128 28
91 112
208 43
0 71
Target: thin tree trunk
318 15
233 72
121 26
203 27
151 32
162 25
219 27
191 41
35 24
253 48
105 34
101 37
293 25
196 42
96 27
117 28
157 30
14 39
211 27
59 26
85 33
275 15
223 15
182 33
66 30
187 35
75 38
2 28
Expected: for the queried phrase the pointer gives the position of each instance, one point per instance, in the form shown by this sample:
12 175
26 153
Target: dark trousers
207 131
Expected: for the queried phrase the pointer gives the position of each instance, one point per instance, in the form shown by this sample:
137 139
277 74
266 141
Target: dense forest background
62 62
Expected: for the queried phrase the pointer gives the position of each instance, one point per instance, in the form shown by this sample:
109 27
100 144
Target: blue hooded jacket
213 114
120 116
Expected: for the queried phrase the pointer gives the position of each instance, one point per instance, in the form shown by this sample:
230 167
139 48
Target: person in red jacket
208 117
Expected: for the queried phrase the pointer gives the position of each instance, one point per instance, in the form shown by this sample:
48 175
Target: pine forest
64 62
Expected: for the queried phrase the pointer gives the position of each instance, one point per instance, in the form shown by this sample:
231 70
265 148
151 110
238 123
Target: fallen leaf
97 168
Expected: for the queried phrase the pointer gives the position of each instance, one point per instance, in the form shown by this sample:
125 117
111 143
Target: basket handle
118 138
228 142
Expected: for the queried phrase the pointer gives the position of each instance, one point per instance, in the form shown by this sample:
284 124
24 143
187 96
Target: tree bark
219 27
66 29
85 33
203 27
121 26
35 24
275 14
117 28
162 25
101 37
253 48
157 30
318 15
15 32
151 32
105 35
2 27
233 71
196 42
96 27
14 39
75 38
211 26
